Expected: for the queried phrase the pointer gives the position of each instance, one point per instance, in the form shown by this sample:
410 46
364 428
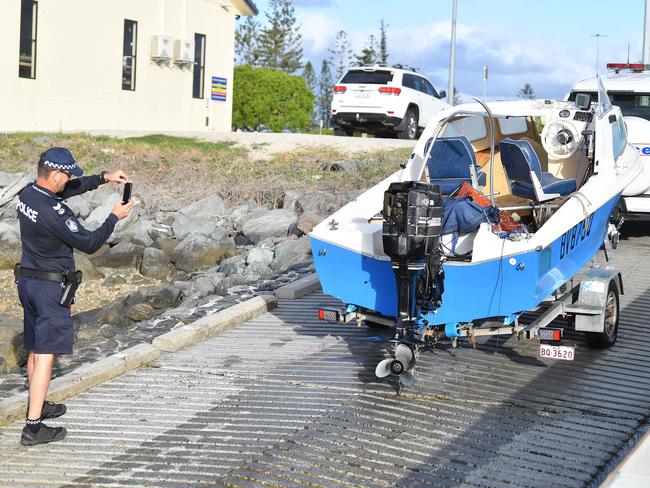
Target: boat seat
524 173
452 162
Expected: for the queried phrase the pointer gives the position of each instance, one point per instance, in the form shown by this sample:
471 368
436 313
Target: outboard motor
411 233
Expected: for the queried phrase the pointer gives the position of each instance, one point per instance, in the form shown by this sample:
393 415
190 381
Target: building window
129 54
199 66
27 54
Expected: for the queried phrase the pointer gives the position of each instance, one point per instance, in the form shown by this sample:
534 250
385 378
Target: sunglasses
67 173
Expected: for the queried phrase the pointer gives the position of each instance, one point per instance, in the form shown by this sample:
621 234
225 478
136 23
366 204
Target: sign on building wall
219 89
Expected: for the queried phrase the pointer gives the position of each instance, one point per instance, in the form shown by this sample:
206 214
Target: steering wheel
561 139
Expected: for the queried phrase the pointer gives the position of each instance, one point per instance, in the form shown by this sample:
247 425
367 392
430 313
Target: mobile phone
126 196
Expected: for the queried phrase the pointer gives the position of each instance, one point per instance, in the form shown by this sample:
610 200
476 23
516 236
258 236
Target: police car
628 86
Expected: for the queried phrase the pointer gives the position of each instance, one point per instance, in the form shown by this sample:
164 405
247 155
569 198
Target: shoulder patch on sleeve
59 208
72 224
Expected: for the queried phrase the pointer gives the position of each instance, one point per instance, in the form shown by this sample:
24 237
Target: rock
307 221
10 191
124 254
8 210
197 251
164 244
205 208
341 166
204 286
138 233
102 210
12 353
108 193
155 263
164 218
114 279
233 265
185 226
275 223
242 240
88 332
85 265
7 179
10 327
165 296
291 252
261 270
140 311
290 199
318 203
10 245
79 206
242 214
259 256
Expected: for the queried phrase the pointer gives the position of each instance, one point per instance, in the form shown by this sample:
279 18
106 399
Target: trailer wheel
607 338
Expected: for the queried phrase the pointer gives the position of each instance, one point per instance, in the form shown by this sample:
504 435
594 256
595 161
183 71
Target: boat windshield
632 104
604 103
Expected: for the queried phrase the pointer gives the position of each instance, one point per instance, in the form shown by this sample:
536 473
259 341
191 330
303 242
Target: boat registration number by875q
566 353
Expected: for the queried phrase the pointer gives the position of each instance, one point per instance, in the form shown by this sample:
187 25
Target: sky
547 43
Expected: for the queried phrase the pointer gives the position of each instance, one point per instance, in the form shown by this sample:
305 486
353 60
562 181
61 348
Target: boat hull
501 287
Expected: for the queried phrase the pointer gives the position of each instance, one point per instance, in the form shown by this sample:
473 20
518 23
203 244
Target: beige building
117 64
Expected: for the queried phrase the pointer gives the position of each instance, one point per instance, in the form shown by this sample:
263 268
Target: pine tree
340 54
311 81
309 75
368 54
383 43
280 43
526 91
324 94
246 49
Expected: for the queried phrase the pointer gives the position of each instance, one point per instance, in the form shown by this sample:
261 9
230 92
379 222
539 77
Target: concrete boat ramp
285 400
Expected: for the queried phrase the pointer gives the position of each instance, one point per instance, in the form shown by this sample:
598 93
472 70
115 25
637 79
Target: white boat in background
409 253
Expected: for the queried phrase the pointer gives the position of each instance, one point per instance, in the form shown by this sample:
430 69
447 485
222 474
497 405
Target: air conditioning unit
161 48
183 51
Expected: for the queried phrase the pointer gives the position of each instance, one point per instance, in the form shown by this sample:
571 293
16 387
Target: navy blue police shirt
50 231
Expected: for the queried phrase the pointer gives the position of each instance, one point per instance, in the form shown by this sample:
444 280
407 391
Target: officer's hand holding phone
121 209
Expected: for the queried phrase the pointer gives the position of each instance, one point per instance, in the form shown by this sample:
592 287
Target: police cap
60 158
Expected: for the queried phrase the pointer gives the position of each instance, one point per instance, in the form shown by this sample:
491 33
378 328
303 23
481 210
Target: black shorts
48 325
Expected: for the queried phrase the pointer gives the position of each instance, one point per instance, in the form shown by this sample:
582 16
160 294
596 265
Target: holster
16 273
71 281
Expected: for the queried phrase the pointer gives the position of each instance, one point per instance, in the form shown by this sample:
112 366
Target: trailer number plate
566 353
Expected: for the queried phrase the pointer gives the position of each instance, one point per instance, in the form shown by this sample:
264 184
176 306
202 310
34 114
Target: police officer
49 233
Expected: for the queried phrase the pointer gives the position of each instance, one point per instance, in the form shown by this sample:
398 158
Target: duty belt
42 275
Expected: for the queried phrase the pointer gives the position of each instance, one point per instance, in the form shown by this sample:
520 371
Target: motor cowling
412 220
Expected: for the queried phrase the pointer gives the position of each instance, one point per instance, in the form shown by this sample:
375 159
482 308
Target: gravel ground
263 144
91 294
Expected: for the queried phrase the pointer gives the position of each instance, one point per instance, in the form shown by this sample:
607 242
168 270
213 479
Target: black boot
52 410
36 432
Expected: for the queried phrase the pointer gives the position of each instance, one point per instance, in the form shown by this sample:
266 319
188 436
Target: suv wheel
410 126
343 132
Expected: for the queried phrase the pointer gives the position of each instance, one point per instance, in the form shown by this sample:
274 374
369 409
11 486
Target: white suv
384 100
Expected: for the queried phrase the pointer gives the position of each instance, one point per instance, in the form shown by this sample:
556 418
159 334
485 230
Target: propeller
407 379
400 365
405 355
383 368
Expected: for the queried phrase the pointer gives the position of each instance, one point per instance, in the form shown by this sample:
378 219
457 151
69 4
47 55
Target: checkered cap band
65 167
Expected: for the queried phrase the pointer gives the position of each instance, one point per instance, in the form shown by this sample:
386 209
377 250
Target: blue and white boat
558 187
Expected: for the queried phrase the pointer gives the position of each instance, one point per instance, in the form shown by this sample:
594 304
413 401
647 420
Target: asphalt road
285 400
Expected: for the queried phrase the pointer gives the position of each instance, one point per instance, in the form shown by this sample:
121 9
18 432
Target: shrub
274 99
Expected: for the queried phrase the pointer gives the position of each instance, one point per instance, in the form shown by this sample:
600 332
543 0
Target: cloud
514 55
318 31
